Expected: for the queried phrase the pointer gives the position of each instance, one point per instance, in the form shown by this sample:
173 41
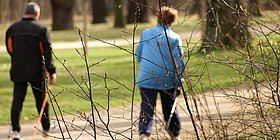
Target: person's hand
52 78
179 91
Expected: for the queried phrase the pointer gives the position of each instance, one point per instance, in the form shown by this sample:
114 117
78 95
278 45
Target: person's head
167 15
32 10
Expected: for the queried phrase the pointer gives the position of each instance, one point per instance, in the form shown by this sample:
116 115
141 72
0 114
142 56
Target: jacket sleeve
139 50
47 51
179 57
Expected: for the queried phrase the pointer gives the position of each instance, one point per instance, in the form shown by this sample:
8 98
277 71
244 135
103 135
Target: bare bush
256 98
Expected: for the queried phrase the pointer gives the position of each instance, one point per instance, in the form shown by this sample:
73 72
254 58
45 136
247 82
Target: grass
206 75
116 64
106 30
268 17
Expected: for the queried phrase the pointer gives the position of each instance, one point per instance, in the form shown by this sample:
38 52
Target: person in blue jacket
160 56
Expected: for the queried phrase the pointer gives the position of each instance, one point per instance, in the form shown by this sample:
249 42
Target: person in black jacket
29 46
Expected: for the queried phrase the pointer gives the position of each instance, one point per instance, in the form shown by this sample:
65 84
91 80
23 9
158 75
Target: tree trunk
15 14
195 7
254 8
62 14
4 15
45 9
203 8
222 33
277 2
99 11
165 2
209 33
119 17
136 8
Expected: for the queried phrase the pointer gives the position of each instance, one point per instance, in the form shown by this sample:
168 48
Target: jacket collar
27 19
161 26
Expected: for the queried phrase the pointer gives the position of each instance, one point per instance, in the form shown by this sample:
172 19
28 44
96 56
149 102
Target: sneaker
172 136
175 137
143 137
45 133
15 135
53 127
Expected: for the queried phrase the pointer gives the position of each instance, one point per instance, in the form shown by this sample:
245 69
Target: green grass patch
268 17
116 63
205 74
106 30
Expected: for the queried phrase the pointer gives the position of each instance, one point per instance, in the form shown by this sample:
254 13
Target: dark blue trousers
20 89
148 105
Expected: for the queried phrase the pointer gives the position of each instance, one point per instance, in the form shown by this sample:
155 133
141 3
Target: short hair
167 15
31 8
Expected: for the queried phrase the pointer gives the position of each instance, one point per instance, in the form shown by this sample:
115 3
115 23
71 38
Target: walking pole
173 109
42 109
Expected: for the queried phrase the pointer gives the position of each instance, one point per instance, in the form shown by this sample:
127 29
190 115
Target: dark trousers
19 94
148 105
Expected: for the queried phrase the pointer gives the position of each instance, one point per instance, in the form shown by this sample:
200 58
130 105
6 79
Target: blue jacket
157 70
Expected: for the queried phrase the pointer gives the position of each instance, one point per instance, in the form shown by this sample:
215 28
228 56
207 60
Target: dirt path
106 42
120 122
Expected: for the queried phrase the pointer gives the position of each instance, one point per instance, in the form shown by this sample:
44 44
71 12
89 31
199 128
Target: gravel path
120 122
106 43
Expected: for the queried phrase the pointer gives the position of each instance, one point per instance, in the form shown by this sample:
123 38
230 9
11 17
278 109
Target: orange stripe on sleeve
41 48
10 45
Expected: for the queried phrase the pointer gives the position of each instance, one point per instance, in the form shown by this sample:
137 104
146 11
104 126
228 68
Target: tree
277 2
254 8
4 15
195 7
165 2
99 11
270 4
119 17
138 6
62 14
15 14
226 26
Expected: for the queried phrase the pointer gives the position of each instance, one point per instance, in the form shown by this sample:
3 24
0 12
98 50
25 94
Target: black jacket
28 44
